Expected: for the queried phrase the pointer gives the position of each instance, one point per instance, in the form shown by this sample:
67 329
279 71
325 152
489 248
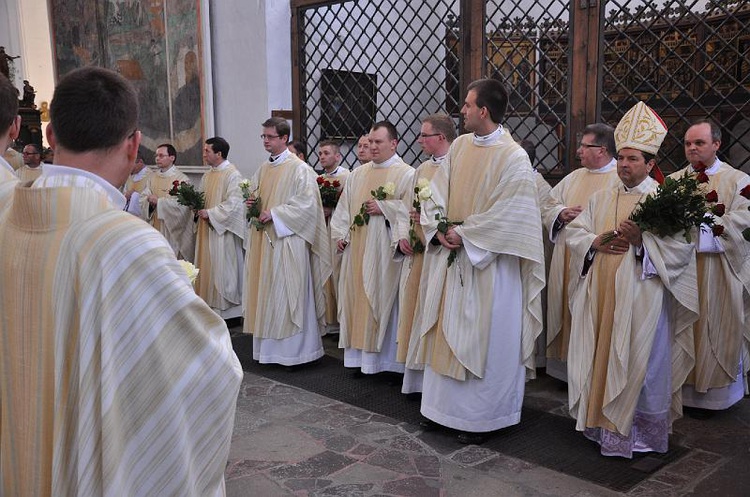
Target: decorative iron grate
369 60
688 60
527 49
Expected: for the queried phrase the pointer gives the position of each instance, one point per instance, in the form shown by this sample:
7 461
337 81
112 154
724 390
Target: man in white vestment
288 256
480 310
162 210
135 185
220 232
329 157
722 332
599 172
116 378
32 163
633 301
436 134
10 125
368 284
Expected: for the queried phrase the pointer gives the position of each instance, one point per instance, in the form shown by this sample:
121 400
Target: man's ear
51 137
15 128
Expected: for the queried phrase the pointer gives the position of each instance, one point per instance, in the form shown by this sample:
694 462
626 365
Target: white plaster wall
240 81
10 34
279 54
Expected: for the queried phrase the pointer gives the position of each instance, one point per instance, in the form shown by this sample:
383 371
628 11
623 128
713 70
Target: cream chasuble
339 174
369 279
173 220
412 268
493 191
138 182
218 249
575 189
278 276
6 172
26 173
96 399
722 332
615 312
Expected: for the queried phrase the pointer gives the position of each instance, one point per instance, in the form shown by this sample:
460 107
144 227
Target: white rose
245 183
425 193
389 188
423 183
190 270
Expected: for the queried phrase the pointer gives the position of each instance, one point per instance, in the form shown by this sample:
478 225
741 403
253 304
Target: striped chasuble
218 251
339 174
368 285
615 313
493 191
116 379
277 278
575 189
722 331
412 268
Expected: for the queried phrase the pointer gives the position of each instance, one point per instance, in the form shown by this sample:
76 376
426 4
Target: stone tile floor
289 441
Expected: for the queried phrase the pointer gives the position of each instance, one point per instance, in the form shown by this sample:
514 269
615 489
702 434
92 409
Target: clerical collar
335 172
644 186
167 172
221 166
487 140
5 164
713 169
279 158
71 176
439 159
605 169
379 165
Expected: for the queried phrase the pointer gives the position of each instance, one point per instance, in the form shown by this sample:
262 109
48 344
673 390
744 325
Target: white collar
440 159
604 169
380 165
69 177
169 172
643 187
335 172
713 169
487 140
279 158
221 166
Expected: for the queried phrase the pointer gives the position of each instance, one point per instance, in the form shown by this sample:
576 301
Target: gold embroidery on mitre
640 128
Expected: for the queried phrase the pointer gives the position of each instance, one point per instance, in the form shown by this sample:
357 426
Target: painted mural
156 44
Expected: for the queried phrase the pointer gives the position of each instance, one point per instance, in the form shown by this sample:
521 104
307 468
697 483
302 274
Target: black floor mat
541 438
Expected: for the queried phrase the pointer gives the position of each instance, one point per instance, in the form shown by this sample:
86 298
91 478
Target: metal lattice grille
365 61
688 60
527 48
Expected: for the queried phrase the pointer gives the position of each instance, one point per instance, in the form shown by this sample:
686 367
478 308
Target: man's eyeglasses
590 145
30 153
427 135
268 137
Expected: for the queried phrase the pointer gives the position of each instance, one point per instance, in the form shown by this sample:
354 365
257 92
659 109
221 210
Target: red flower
327 184
712 196
718 210
320 180
745 192
702 177
176 182
336 183
699 167
717 229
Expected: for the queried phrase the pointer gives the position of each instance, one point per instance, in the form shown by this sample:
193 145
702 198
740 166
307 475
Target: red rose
702 177
712 196
699 167
718 210
320 180
745 192
336 183
176 182
327 184
717 229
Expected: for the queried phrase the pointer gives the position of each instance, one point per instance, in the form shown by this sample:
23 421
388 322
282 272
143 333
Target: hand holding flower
265 216
372 208
630 232
405 247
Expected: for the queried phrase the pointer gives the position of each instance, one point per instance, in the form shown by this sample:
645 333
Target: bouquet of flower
381 193
188 196
679 205
253 211
330 191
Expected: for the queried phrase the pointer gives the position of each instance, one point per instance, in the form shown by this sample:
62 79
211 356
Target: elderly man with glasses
32 163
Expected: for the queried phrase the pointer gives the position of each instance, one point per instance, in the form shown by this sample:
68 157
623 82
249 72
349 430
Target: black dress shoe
428 425
469 438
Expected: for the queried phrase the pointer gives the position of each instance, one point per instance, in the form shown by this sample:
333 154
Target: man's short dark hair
37 148
171 151
93 108
604 135
715 129
281 126
442 124
392 133
298 145
492 94
8 104
219 145
336 146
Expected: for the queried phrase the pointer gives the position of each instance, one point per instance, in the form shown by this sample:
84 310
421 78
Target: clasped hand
628 233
